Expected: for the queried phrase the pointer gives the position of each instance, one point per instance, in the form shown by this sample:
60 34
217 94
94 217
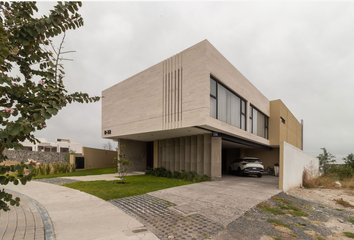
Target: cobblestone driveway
165 223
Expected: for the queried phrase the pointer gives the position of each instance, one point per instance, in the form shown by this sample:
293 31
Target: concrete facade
95 158
168 105
293 163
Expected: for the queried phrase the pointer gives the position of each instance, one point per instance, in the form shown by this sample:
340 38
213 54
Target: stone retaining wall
41 157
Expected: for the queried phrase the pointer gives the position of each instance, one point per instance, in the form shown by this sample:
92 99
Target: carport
233 148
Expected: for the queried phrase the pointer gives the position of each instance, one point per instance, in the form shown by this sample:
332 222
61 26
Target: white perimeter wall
294 162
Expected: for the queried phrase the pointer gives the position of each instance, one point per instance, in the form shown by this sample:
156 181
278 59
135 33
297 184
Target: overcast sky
299 52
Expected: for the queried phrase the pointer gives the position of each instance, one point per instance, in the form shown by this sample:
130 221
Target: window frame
242 100
266 122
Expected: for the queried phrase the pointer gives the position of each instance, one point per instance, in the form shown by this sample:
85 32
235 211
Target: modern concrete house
60 145
196 112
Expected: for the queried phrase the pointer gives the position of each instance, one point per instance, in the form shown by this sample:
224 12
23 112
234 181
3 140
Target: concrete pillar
156 154
182 157
200 154
177 155
216 146
194 153
171 155
187 155
207 154
163 146
160 154
168 154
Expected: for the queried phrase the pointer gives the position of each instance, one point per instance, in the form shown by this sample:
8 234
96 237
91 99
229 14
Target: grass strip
279 223
269 209
348 234
135 185
343 202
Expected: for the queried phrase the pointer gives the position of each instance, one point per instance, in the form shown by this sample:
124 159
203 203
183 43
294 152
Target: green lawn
135 185
98 171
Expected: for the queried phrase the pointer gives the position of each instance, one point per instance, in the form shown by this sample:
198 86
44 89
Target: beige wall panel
290 131
207 154
139 97
225 72
194 153
97 158
200 154
274 123
177 155
182 156
216 144
135 152
267 157
156 154
187 154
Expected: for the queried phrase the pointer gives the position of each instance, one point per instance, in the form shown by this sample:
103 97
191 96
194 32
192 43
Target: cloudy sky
299 52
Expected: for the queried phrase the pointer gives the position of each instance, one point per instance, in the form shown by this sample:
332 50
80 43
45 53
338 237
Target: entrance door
149 155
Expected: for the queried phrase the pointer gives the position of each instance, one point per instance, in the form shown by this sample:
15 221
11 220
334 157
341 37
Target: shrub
41 169
35 171
73 167
186 176
56 168
48 168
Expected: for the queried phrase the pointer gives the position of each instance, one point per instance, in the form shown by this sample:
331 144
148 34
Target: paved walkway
74 215
22 222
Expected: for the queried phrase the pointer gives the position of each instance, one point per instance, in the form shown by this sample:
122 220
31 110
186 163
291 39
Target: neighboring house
61 145
196 112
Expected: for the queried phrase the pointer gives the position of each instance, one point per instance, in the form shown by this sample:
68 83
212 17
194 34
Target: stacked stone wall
41 157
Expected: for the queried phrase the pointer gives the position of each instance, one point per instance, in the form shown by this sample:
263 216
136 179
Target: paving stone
155 214
19 222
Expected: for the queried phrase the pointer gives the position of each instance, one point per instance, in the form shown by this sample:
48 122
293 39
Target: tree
26 105
325 159
107 146
122 165
349 160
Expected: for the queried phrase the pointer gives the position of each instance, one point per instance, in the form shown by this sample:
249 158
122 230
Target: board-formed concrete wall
294 162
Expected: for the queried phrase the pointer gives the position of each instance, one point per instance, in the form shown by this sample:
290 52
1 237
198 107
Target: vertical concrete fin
172 92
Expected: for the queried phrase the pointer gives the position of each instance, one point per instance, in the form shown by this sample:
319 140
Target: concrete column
177 155
163 147
171 158
216 145
168 154
207 154
194 153
156 154
200 154
160 154
182 157
187 155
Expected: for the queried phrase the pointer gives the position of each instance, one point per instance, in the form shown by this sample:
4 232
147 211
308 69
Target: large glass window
226 105
258 123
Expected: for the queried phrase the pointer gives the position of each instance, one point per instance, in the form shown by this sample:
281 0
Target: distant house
61 145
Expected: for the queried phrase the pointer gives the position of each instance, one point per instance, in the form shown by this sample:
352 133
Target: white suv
247 166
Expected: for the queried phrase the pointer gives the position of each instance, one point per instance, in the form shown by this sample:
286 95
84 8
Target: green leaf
52 111
14 130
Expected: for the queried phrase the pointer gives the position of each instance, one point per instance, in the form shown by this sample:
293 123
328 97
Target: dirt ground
320 217
8 163
326 197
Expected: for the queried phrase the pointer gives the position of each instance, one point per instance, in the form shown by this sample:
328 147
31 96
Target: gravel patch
259 224
56 181
166 224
